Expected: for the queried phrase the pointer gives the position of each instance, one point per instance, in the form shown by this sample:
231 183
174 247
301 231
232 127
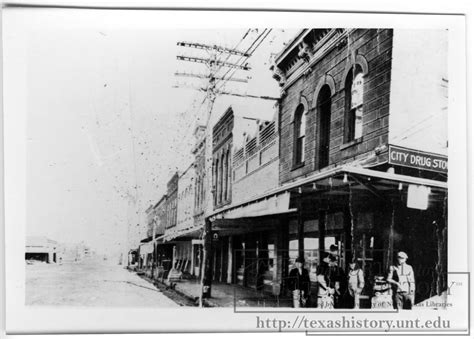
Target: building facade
201 194
182 254
344 180
353 166
248 148
162 253
41 249
336 112
172 202
221 159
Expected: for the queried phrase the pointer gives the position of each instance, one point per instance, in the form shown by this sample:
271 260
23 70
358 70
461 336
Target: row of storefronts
323 169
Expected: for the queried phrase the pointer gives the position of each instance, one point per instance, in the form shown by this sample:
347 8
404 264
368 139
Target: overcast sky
103 121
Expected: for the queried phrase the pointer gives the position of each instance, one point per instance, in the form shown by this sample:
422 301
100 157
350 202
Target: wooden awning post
391 235
230 265
349 249
322 233
442 250
206 280
300 228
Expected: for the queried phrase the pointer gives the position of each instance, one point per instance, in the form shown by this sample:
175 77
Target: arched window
300 133
221 172
324 125
354 94
224 176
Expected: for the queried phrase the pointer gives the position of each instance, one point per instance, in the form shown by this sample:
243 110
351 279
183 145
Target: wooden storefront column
347 256
206 280
322 233
391 234
221 271
192 258
173 259
300 228
442 250
230 262
280 271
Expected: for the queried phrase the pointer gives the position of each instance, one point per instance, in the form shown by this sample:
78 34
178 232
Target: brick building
221 159
172 202
362 160
146 247
181 234
201 194
248 149
341 118
348 85
160 215
162 252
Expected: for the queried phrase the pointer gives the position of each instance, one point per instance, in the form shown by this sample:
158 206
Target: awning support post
349 253
441 236
206 280
230 264
322 233
300 228
391 234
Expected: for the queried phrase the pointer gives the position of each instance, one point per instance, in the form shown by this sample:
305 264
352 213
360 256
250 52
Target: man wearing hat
299 283
402 278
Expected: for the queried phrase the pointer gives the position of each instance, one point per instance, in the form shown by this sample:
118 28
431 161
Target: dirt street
91 282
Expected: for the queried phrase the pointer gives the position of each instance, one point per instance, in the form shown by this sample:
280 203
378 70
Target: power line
235 47
210 62
248 49
206 76
216 48
250 53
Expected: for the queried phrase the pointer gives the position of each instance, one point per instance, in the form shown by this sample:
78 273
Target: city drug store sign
417 159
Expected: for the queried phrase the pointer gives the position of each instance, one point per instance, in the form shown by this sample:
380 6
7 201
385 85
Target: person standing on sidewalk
299 284
402 278
325 291
336 276
355 284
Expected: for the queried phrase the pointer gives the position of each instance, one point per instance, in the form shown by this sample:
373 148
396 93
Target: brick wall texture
375 45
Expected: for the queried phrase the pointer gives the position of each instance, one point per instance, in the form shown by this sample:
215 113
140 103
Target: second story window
300 133
227 175
354 93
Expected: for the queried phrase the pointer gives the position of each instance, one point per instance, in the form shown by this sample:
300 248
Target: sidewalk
226 295
223 295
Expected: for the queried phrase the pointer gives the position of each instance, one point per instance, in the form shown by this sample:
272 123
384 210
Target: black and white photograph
185 167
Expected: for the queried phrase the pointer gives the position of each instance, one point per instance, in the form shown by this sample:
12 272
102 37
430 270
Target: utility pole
218 58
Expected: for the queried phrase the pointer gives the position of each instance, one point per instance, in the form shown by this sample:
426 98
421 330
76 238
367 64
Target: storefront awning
172 234
146 248
337 181
276 204
364 186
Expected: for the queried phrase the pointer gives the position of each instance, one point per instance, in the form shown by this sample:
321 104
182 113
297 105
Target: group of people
337 289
